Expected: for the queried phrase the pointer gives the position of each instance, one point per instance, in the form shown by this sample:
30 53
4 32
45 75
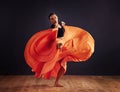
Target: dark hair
51 14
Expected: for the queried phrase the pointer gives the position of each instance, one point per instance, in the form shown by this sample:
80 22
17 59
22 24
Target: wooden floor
71 84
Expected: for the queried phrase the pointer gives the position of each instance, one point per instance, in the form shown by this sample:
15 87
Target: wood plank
71 84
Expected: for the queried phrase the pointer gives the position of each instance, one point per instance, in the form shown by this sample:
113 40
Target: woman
47 52
58 26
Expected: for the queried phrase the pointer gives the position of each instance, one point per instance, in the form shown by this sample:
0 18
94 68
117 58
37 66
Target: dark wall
21 19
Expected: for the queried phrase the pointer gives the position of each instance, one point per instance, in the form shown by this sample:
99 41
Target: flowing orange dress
42 55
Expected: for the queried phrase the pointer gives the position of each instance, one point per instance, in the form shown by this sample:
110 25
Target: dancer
48 51
58 26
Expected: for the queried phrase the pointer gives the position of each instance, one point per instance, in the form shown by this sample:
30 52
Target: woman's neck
57 25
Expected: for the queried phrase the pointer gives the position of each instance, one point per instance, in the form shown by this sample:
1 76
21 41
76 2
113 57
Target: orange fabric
42 55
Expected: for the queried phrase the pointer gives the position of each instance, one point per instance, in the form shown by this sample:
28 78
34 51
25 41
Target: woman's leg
61 70
59 75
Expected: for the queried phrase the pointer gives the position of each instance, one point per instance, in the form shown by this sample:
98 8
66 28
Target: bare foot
58 85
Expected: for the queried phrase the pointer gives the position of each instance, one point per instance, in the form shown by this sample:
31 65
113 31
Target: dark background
19 20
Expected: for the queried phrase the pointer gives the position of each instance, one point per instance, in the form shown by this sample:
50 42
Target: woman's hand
54 29
63 23
60 42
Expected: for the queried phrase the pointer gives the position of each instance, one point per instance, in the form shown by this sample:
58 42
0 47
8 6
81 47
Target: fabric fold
42 55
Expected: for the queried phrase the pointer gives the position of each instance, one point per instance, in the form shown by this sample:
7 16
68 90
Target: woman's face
54 19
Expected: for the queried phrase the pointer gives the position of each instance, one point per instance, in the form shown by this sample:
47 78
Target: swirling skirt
45 59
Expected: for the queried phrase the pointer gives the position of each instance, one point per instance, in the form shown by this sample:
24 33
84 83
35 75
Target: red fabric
42 55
